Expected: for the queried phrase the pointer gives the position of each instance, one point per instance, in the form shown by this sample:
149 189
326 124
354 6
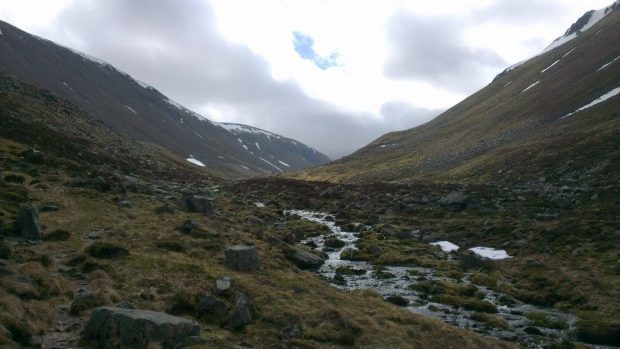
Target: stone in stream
27 223
131 328
397 300
242 258
302 258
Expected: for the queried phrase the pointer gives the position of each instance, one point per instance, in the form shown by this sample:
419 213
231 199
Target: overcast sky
334 74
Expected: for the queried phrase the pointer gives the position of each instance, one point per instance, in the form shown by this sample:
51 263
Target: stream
520 328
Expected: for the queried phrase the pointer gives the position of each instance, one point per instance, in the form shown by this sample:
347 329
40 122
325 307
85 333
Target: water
520 327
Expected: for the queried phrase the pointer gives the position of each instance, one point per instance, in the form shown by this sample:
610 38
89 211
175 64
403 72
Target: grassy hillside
506 131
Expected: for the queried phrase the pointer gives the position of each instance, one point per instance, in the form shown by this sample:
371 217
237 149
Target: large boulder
303 258
242 312
131 328
27 223
197 203
455 200
242 258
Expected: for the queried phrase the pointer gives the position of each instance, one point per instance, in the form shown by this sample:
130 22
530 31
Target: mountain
554 115
142 112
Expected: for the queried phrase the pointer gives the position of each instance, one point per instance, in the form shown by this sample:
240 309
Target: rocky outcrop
197 203
242 258
27 223
131 328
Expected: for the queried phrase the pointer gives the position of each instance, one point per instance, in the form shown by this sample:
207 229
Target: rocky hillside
554 115
140 111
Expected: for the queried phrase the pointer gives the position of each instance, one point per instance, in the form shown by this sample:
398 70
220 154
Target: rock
242 312
125 204
302 258
242 258
397 300
197 203
188 226
373 250
193 341
33 156
120 328
455 201
49 208
334 242
27 223
57 235
211 308
222 285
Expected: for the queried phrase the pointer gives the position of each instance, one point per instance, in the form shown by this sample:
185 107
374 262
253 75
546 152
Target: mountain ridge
132 107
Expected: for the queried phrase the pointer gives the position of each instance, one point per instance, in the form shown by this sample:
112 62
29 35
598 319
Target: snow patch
490 253
244 167
274 166
508 83
244 146
1 33
221 157
239 128
131 109
549 67
601 99
284 163
183 109
259 204
608 64
197 134
195 161
569 52
445 246
529 87
257 146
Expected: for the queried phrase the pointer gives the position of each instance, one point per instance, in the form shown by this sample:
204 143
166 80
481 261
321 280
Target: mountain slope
530 122
134 108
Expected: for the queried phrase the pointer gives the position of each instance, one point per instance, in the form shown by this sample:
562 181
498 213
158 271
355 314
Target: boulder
242 312
27 223
455 200
397 300
131 328
242 258
211 308
303 258
197 203
222 285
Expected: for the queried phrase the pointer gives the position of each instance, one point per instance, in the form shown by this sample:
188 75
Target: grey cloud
521 12
403 115
432 49
175 47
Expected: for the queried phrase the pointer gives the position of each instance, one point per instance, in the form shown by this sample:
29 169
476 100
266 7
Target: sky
334 74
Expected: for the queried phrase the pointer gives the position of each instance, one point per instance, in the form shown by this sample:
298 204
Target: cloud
304 46
402 115
175 46
433 49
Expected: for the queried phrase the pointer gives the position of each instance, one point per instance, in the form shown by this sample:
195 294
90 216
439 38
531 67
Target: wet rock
334 242
303 258
211 308
27 223
455 200
242 258
338 279
242 312
197 203
222 285
119 328
397 300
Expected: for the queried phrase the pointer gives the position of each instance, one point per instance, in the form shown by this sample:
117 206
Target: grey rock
242 258
131 328
303 258
126 305
27 223
188 226
197 203
212 308
125 203
455 200
242 312
222 285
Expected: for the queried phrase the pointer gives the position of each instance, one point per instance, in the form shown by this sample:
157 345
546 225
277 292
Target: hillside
114 228
141 111
539 118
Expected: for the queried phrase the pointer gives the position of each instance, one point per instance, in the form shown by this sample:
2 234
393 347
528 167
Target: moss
102 249
491 320
542 320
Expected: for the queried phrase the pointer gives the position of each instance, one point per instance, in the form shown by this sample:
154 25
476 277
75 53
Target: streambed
519 327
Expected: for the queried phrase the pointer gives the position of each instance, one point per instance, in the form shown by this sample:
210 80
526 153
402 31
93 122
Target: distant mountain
556 115
143 113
